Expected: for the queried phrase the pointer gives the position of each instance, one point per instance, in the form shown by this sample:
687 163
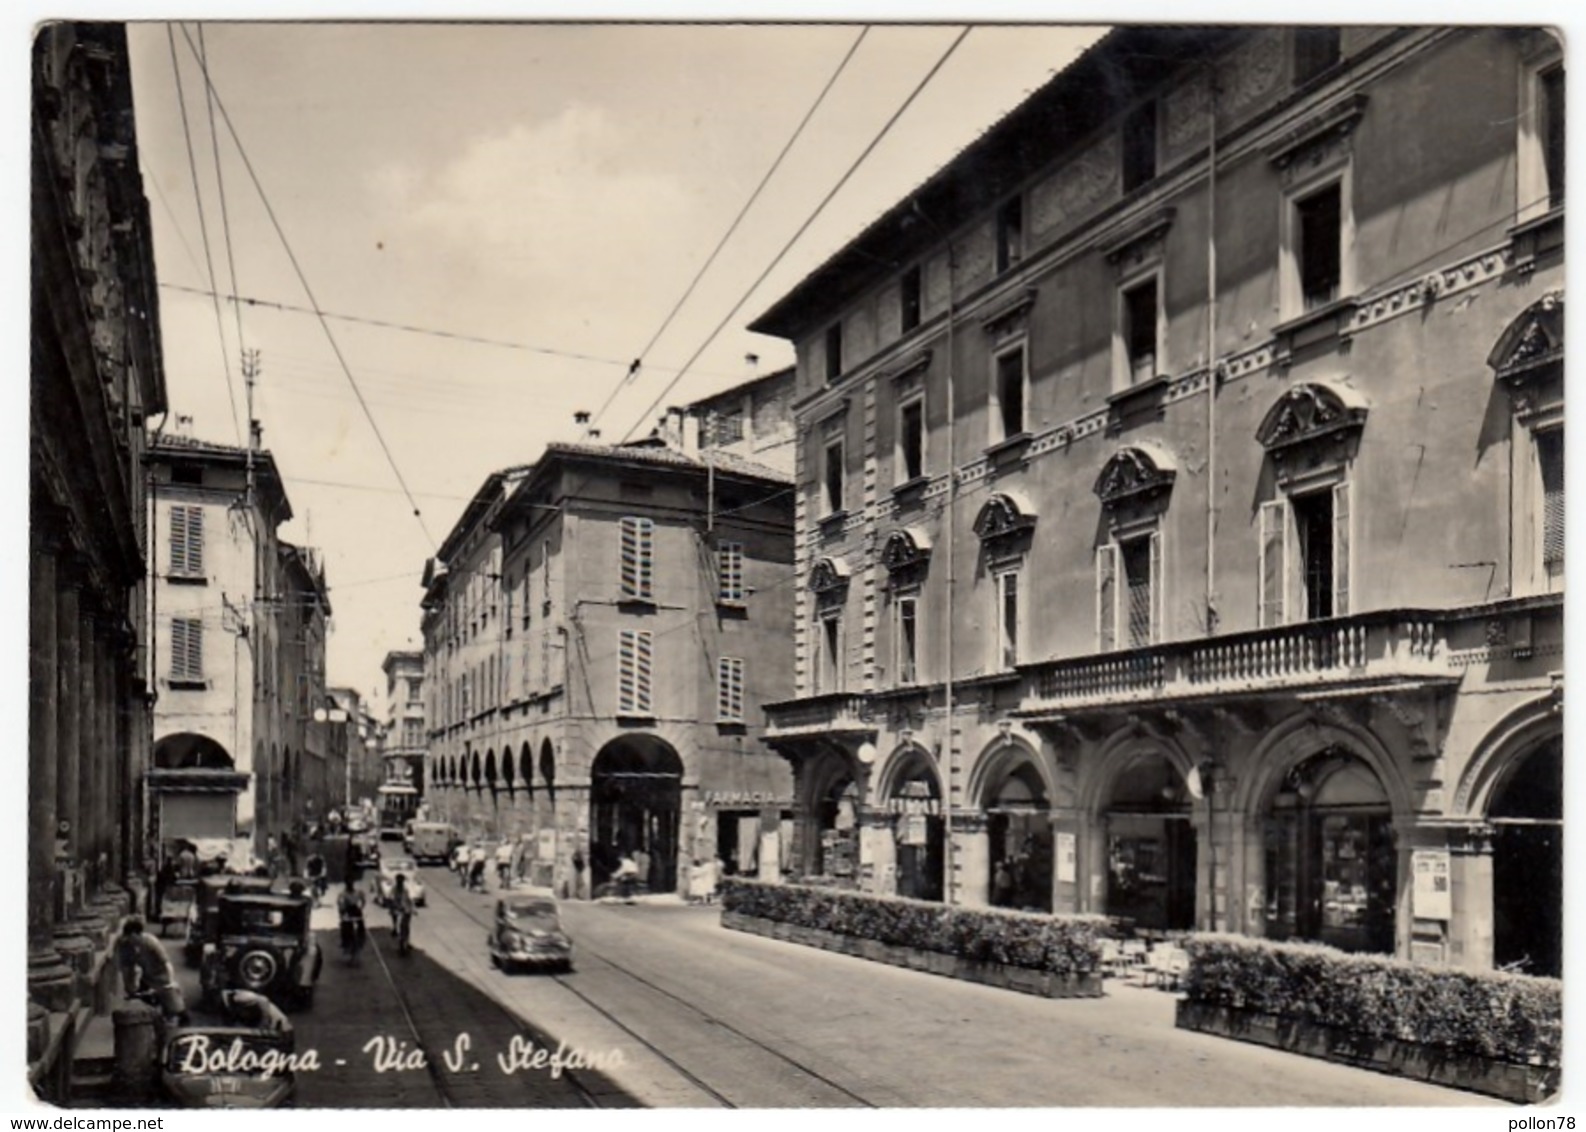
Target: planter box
1043 983
1525 1084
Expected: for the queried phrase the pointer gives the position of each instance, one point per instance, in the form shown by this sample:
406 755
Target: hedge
1514 1018
1062 945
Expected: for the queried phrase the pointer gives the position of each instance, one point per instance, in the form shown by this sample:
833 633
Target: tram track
707 1020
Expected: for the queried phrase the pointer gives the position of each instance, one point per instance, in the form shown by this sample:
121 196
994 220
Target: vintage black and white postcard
823 565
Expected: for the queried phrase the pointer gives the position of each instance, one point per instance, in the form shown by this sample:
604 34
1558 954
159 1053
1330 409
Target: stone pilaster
87 823
49 980
69 730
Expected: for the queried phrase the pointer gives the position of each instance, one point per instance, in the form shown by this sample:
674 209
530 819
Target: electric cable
220 186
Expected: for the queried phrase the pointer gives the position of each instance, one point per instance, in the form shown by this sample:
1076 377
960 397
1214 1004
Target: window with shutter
1273 566
1007 615
187 542
729 568
1106 598
187 648
634 661
1550 456
907 639
729 689
1140 612
1341 544
637 565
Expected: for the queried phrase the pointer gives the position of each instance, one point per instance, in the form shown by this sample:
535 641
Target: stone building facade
95 379
634 627
1180 516
407 738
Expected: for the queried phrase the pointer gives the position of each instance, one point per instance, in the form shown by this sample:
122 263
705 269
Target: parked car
430 842
203 918
263 943
385 880
254 1067
528 932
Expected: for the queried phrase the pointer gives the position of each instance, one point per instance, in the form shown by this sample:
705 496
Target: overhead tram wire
408 328
308 290
220 186
203 227
798 132
819 208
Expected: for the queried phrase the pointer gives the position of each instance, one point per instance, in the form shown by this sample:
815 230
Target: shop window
1139 146
1010 384
1006 584
906 625
834 351
909 297
1010 234
1315 50
911 440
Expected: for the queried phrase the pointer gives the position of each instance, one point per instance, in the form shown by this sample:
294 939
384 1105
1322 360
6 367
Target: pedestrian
578 873
476 867
253 1010
1002 886
400 905
641 863
626 876
163 881
146 969
187 861
504 864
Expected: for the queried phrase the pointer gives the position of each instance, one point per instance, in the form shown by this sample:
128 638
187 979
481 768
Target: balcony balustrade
1385 647
835 713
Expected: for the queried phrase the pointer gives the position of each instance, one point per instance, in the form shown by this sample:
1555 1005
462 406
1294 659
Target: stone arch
490 769
474 768
1002 754
885 777
187 750
635 809
1299 737
509 777
1122 751
1500 751
548 765
526 767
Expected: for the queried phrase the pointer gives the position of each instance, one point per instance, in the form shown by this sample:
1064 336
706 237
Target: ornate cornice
1309 411
905 550
1532 343
828 575
1134 471
1003 517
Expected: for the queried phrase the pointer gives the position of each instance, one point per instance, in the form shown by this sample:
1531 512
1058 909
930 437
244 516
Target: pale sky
555 186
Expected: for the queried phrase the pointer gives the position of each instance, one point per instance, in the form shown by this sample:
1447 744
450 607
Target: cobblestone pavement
708 1017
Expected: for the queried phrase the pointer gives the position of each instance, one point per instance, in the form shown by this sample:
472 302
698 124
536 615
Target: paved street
707 1017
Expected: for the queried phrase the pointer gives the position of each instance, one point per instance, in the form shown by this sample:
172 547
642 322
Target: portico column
878 869
1471 930
1066 875
971 858
87 823
69 731
48 978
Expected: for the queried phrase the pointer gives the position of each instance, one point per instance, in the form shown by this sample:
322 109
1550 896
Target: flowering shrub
1063 945
1515 1018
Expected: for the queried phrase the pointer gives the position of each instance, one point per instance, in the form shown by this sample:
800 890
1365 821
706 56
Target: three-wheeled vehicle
528 932
223 1066
263 942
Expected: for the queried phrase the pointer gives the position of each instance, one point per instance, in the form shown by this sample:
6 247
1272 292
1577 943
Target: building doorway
1527 815
635 801
1019 830
914 804
1151 847
1331 865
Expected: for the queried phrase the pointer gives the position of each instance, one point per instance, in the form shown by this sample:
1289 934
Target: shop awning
194 780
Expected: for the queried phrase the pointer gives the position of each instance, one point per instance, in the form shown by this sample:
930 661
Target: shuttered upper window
1129 593
1550 455
635 658
187 648
187 541
729 689
729 570
1303 557
638 565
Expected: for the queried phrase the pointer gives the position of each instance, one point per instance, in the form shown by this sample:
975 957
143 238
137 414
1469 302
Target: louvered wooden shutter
187 541
729 689
1341 549
634 672
1156 587
187 649
729 558
1550 454
637 536
1273 567
1106 597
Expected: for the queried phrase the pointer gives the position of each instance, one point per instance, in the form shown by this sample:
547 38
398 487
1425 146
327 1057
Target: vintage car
431 842
202 917
228 1067
263 942
528 932
390 867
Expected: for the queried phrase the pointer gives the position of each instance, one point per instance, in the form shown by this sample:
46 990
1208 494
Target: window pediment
1532 342
1309 412
1011 317
1136 471
1003 517
1141 242
906 549
828 576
